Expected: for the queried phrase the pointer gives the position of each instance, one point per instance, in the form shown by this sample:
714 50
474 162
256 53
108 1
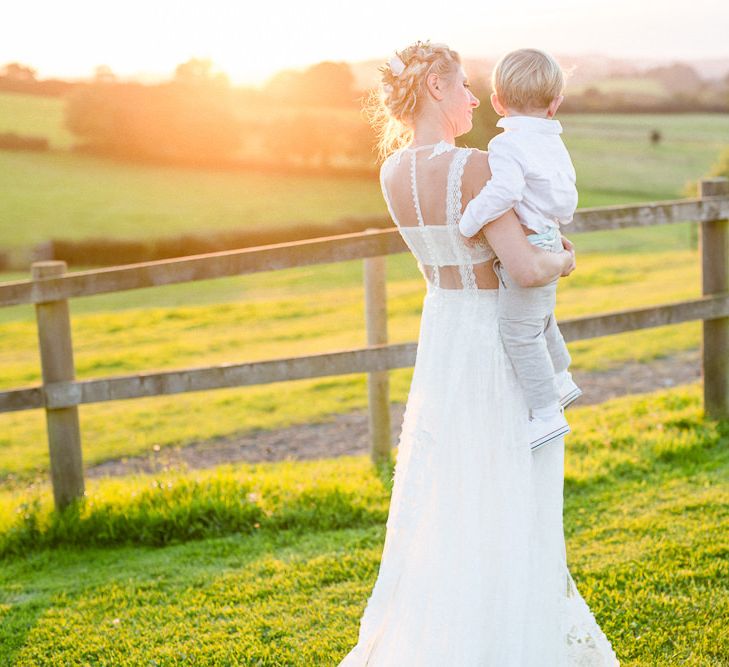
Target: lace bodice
427 213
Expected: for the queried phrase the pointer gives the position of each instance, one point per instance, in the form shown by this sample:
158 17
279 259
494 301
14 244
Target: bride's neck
427 132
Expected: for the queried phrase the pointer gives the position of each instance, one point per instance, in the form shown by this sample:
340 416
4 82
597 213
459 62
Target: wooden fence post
715 278
378 382
56 352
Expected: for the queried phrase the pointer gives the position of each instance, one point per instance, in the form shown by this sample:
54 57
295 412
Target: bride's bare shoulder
476 173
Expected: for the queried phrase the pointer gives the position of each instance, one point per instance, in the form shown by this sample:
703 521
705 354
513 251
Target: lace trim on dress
441 147
428 239
438 149
386 166
587 645
453 215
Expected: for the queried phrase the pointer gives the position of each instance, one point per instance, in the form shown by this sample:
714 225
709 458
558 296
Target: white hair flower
397 66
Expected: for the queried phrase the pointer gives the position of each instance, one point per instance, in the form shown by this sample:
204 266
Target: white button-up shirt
531 172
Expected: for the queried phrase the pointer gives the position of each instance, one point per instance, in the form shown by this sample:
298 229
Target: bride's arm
528 265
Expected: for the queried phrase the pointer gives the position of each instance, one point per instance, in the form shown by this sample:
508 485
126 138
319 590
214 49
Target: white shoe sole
550 437
570 398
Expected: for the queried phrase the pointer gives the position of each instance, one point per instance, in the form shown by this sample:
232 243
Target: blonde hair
391 108
527 79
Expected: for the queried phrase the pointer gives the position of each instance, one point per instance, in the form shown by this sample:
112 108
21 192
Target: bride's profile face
460 102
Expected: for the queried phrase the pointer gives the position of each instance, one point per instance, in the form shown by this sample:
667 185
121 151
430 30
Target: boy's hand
567 244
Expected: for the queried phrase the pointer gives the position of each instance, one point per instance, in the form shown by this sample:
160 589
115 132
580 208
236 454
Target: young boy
532 173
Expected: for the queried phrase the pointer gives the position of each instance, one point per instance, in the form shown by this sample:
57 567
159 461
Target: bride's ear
435 86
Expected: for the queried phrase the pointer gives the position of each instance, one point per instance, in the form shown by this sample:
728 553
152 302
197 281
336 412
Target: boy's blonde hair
527 79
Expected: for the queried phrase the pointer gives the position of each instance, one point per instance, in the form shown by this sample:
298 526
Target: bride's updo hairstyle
392 107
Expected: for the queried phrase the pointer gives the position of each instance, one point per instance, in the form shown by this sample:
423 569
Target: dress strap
453 215
432 247
455 180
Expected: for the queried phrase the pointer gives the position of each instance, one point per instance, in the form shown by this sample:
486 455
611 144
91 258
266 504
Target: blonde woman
473 570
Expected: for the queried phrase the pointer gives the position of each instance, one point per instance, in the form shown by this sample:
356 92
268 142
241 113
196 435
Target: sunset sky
251 40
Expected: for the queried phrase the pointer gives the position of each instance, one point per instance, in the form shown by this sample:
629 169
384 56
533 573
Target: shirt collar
531 124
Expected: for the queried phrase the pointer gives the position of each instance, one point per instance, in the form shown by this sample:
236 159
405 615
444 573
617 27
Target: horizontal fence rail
322 251
361 360
61 393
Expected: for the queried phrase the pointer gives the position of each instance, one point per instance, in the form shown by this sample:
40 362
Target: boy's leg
523 316
558 352
555 343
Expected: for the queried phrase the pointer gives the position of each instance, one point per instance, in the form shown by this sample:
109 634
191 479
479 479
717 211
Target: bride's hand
570 262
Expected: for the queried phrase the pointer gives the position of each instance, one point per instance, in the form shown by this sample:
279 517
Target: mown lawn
287 313
272 564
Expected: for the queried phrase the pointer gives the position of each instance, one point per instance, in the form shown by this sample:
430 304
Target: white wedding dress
473 569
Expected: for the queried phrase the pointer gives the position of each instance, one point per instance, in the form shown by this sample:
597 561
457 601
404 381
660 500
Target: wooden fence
60 394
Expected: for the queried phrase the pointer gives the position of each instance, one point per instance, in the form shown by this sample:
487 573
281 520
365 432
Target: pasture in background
71 195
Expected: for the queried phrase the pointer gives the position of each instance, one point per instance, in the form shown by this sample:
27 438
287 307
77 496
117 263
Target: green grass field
272 564
36 116
306 310
287 313
74 196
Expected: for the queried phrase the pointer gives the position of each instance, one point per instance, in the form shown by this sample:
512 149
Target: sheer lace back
422 188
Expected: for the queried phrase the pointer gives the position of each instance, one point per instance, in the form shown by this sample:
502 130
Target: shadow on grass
17 623
179 508
629 440
225 601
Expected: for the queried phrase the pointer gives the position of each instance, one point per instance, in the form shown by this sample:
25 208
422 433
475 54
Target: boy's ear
496 104
435 86
554 105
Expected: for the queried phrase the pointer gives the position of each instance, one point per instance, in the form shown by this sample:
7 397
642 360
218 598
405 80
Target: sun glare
252 41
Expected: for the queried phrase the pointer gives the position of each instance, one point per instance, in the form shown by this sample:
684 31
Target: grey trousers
531 336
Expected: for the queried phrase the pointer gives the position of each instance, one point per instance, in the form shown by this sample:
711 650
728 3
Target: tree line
308 119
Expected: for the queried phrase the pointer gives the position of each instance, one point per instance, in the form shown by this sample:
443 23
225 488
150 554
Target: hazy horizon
143 40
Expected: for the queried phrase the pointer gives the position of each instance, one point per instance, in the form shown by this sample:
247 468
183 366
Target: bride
473 570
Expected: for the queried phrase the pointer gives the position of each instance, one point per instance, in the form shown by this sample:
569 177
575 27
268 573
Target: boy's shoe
544 431
568 391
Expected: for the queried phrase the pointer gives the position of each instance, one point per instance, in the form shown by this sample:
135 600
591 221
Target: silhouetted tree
199 72
329 84
167 121
323 84
679 78
103 74
284 85
17 72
